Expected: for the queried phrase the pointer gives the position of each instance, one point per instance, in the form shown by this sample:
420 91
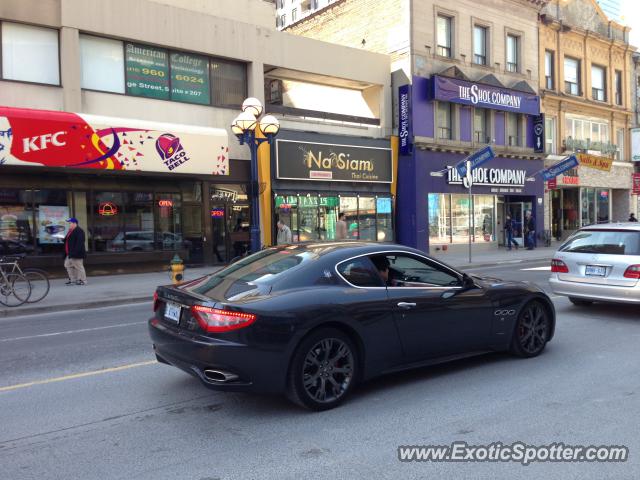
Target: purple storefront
443 121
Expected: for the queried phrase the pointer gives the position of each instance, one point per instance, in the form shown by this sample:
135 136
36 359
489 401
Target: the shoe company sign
486 96
327 162
491 177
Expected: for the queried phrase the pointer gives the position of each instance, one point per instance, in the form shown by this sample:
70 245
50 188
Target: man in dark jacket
74 253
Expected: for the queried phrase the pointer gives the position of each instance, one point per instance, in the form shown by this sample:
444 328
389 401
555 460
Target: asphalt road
82 398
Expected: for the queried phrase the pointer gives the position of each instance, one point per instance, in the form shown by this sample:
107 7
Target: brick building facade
585 80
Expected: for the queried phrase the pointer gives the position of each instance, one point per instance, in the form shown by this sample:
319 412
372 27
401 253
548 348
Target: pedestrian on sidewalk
632 218
74 254
530 227
284 236
508 227
341 227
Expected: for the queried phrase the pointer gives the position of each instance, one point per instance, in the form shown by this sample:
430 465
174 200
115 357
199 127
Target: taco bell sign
404 119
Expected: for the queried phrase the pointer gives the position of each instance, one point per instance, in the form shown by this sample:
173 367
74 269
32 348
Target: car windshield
253 275
610 242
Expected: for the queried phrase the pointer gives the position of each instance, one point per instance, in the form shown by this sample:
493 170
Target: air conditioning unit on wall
274 91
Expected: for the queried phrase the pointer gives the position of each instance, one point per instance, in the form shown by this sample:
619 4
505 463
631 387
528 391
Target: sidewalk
106 290
495 257
101 291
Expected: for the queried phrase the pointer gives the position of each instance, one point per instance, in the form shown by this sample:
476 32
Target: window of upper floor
598 83
30 53
572 76
146 71
617 84
513 53
550 135
514 130
480 45
444 30
549 70
445 121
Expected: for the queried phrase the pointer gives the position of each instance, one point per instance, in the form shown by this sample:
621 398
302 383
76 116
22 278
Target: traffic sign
477 158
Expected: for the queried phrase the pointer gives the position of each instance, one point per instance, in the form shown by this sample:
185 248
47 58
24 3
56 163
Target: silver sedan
599 263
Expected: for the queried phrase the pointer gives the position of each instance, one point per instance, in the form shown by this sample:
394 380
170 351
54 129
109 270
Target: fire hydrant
177 269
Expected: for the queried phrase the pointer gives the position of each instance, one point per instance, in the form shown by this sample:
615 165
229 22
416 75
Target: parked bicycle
18 285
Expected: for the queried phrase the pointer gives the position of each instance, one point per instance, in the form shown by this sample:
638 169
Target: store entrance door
516 211
230 228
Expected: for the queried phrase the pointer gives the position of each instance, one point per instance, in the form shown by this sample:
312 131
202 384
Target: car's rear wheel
532 330
579 302
323 370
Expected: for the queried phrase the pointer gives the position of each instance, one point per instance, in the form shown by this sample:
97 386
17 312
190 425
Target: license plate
172 312
595 271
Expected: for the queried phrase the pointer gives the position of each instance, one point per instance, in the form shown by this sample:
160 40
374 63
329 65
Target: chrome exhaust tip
218 376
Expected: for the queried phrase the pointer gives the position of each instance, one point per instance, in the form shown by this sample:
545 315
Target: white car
599 263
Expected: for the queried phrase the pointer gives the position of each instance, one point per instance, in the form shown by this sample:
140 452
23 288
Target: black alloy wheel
532 330
323 370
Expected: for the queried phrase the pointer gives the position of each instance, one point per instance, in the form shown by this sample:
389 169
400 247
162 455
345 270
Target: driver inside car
381 263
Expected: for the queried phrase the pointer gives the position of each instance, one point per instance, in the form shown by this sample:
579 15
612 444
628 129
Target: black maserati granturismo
313 320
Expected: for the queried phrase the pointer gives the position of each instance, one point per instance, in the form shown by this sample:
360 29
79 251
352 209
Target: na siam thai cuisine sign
327 162
73 140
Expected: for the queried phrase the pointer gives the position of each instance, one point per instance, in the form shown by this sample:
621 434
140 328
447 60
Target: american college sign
485 96
327 162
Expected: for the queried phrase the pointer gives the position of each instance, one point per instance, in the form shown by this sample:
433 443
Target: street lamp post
245 126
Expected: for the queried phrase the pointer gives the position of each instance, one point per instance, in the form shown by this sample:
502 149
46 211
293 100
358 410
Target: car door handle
406 305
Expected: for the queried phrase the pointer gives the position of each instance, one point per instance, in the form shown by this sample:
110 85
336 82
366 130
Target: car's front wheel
532 330
323 370
579 302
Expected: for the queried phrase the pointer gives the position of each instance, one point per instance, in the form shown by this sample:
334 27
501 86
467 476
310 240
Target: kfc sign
41 142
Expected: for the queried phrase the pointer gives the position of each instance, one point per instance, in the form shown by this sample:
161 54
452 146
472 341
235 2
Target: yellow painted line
76 375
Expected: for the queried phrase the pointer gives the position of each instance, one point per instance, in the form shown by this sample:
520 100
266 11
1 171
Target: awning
76 140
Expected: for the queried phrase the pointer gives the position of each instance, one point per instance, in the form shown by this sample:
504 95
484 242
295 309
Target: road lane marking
76 375
547 268
67 332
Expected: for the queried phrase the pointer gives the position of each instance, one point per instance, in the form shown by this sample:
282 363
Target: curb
24 311
467 266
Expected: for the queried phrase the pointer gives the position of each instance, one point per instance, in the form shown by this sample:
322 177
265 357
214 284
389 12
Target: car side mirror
467 281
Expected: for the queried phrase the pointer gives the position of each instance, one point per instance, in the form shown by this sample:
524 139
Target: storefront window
106 232
483 218
16 222
138 222
439 218
603 204
349 206
287 211
570 205
308 218
588 206
51 212
328 211
169 226
314 217
367 218
384 219
459 218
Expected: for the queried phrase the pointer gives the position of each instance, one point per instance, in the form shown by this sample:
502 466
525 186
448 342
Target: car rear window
610 242
250 276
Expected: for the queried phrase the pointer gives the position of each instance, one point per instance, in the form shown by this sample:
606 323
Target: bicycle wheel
15 290
39 281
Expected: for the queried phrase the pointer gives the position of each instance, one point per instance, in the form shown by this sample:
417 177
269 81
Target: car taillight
216 320
632 271
558 266
156 303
